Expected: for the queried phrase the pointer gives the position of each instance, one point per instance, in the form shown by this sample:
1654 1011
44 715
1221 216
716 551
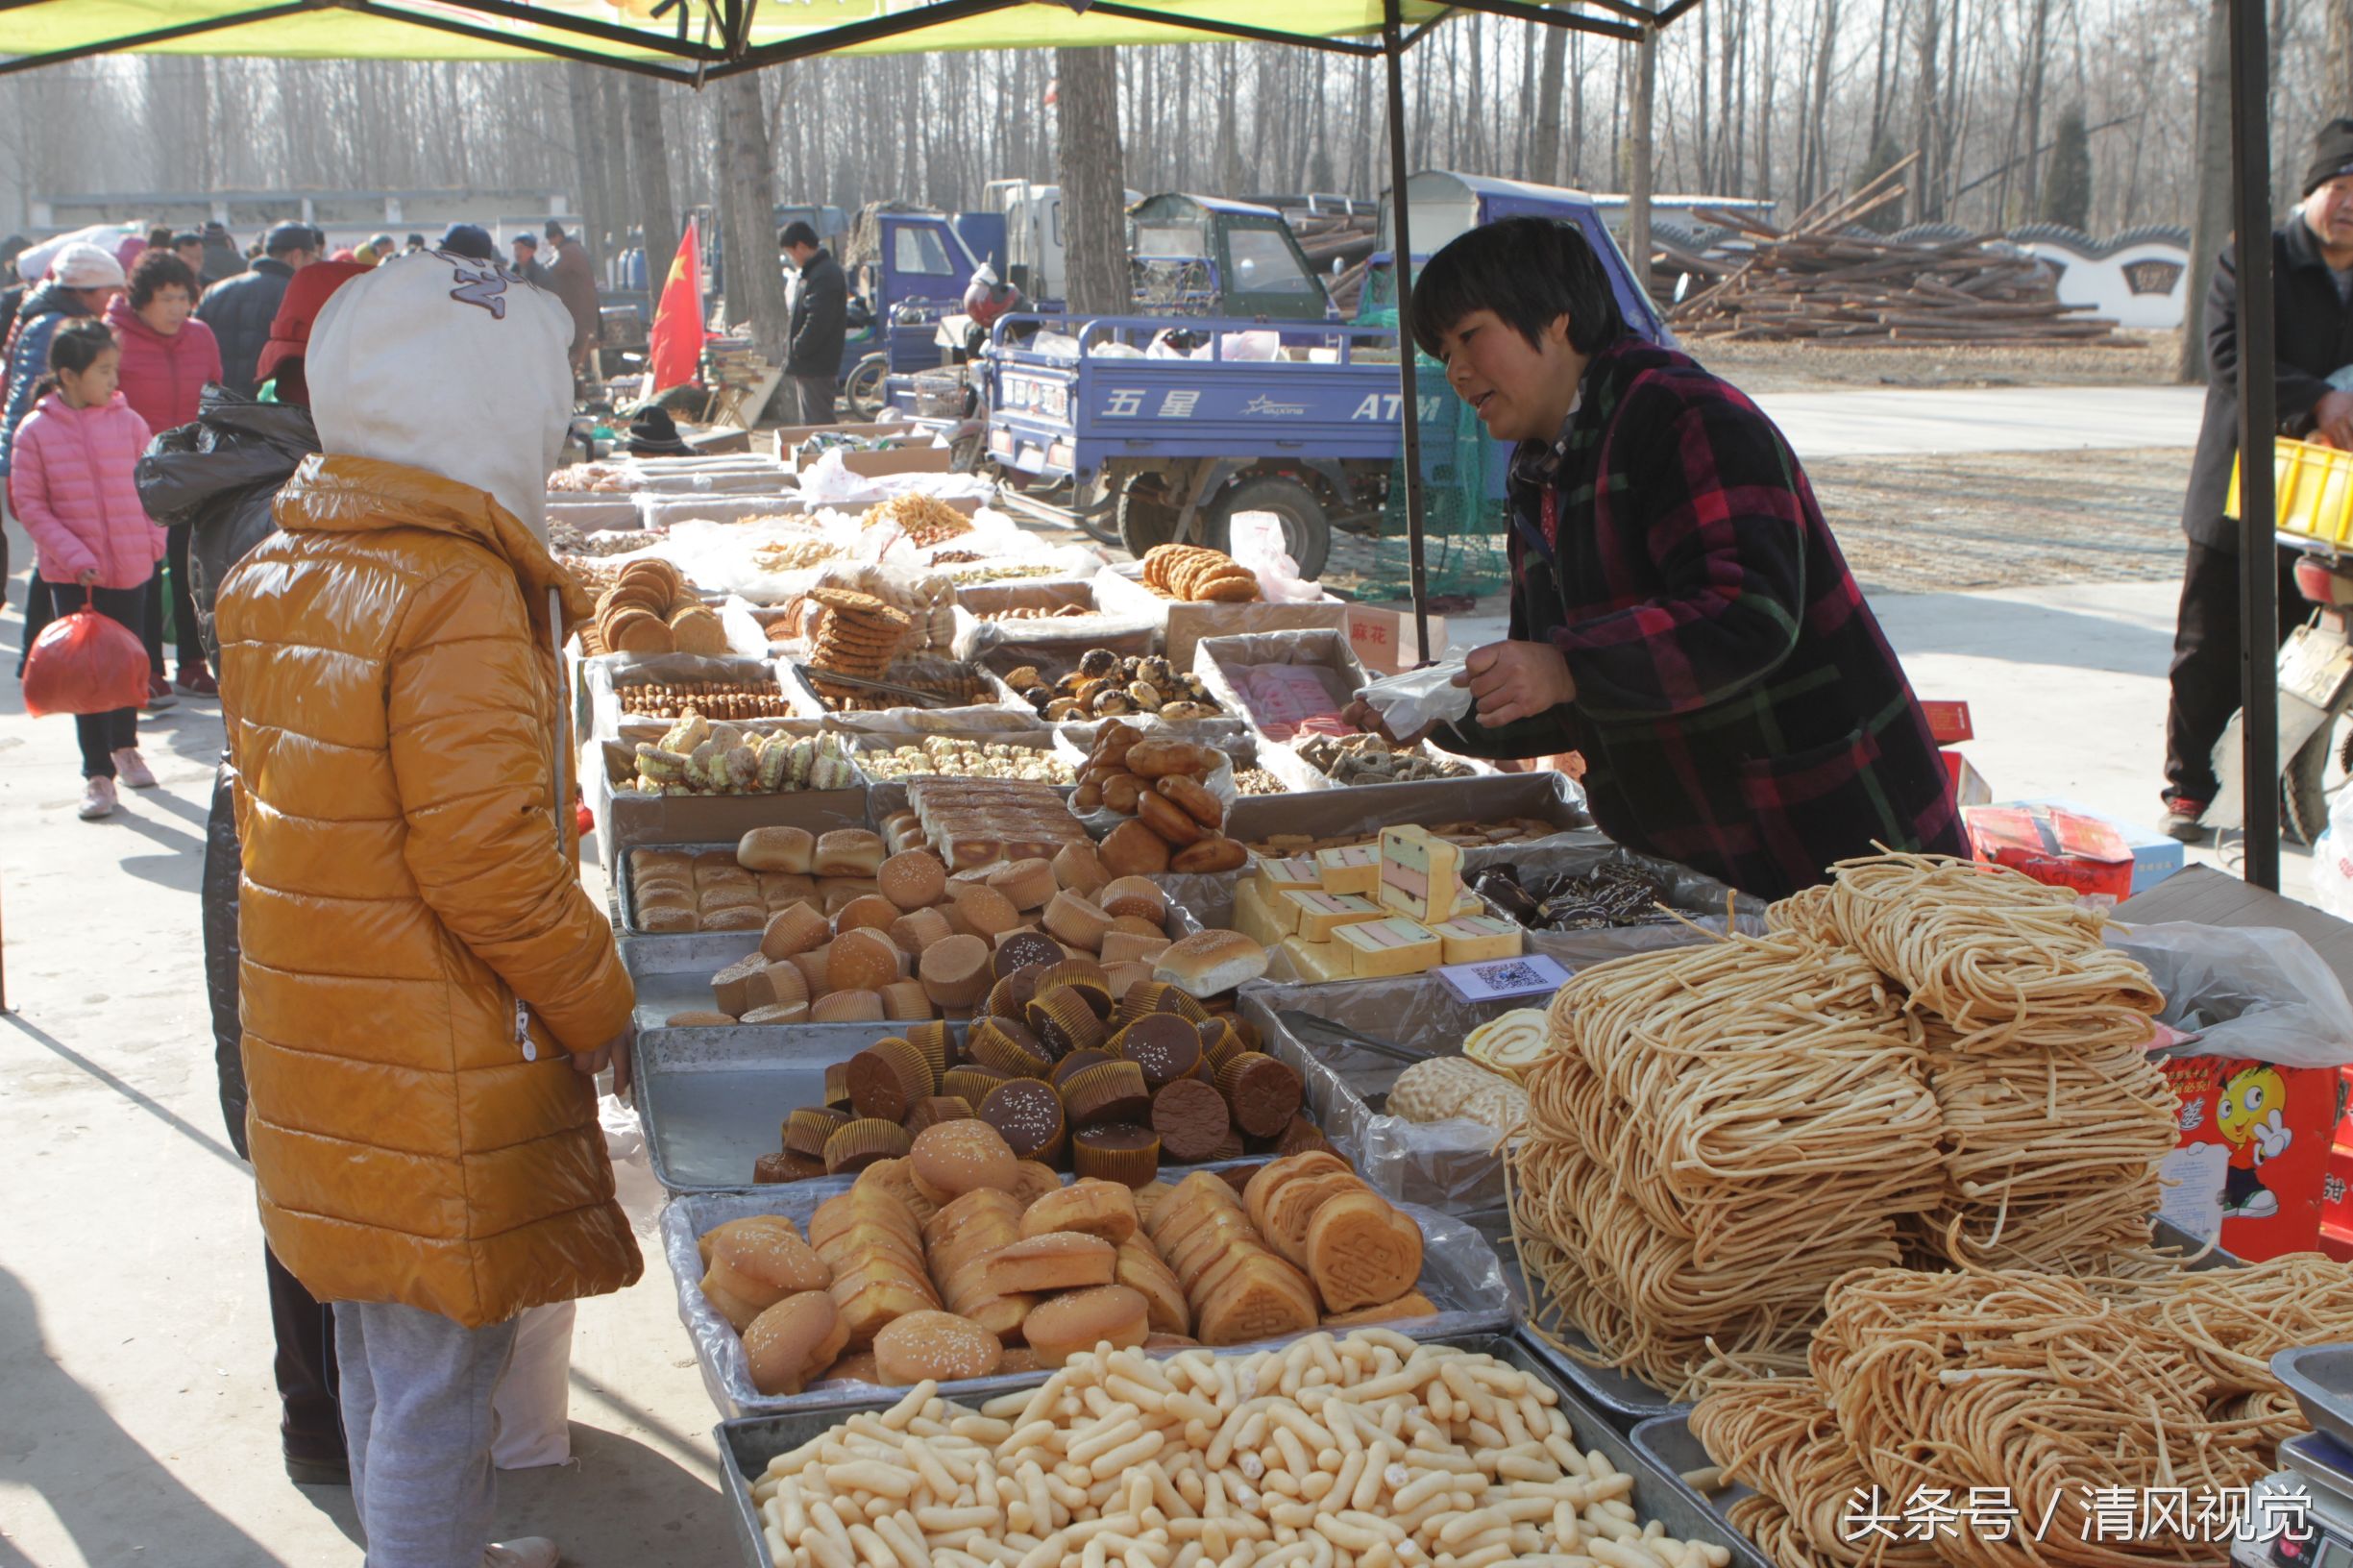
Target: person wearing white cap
426 991
83 280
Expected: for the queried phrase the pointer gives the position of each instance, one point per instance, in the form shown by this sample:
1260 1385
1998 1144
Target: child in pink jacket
70 480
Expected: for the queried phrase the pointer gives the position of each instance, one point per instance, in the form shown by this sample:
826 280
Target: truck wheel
863 391
1144 515
1307 534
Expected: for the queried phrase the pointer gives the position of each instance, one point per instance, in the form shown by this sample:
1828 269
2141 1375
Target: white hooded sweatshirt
448 364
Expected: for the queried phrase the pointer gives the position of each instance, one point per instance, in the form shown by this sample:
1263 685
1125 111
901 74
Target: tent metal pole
2250 146
1392 52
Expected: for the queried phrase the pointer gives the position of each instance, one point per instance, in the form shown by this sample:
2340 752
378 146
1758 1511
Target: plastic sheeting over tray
1460 1274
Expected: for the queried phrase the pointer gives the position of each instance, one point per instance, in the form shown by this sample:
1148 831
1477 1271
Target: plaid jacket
1736 703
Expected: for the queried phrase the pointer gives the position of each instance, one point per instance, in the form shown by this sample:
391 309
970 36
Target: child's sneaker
132 768
97 798
159 694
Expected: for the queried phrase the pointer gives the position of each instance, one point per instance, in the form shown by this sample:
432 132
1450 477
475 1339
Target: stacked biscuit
948 757
649 609
857 635
1303 1243
1178 824
731 700
1079 1058
1191 572
978 821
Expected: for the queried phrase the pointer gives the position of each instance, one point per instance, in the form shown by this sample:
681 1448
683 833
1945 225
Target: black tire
1144 515
863 391
2321 766
1307 533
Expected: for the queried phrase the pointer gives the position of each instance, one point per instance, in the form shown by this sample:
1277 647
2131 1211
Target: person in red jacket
167 357
70 482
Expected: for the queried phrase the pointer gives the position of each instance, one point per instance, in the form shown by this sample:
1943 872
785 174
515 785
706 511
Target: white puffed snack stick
1368 1451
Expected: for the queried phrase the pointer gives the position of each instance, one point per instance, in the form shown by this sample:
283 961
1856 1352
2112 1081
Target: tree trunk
1094 182
1926 176
2337 87
649 173
2210 223
747 210
1544 156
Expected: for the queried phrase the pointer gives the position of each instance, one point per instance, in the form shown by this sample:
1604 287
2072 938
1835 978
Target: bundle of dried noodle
1780 1438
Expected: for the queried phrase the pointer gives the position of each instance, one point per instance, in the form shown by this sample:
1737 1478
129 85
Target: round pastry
1166 818
1143 1270
860 1143
812 967
1211 961
955 971
699 1017
906 1001
934 1110
862 959
886 1078
1194 798
776 850
1191 1118
1065 1021
1135 925
1216 852
776 1262
1162 1044
1136 895
1032 1181
1027 883
1072 919
1077 866
1085 978
972 1082
867 912
847 1006
857 1368
986 910
1263 1093
1010 997
940 1346
1075 1063
913 879
1134 849
1090 1208
937 1041
707 1244
1117 1153
837 1086
847 852
1029 1115
790 1342
1024 950
1005 1046
806 1130
959 1157
1124 978
1051 1260
1070 1325
918 929
1159 996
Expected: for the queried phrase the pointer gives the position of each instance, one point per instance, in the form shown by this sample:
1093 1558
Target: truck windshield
1264 263
916 250
1168 239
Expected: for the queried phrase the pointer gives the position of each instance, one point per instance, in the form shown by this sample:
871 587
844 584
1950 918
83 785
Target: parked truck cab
1203 256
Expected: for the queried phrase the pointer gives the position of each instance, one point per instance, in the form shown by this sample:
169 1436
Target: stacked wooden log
1821 281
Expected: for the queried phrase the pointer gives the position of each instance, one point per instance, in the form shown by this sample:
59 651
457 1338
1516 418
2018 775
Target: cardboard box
2154 856
876 465
2252 1168
1382 639
2054 845
1948 723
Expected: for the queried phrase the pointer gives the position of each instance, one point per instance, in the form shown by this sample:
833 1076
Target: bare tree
2210 226
650 172
1544 152
1094 182
748 209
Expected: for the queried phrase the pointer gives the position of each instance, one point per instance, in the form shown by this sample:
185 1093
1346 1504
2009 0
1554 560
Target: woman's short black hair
158 269
1530 272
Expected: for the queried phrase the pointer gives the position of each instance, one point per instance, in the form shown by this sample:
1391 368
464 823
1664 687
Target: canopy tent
697 40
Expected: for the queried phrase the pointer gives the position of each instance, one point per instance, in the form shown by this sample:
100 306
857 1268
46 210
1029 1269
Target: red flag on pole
675 350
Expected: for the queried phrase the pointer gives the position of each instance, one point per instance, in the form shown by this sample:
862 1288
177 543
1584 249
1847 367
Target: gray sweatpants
417 1419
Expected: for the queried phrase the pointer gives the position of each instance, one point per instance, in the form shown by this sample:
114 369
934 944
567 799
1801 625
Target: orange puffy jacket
418 952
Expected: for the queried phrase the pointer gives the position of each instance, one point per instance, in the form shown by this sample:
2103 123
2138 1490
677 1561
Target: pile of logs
1816 281
1348 238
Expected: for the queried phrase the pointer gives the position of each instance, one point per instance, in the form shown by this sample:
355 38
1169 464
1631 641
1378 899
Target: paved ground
1998 419
139 1413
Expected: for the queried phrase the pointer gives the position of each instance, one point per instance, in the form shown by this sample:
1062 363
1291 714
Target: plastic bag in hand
85 663
1411 702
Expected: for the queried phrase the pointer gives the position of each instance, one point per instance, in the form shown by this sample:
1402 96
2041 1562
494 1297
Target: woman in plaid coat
1680 615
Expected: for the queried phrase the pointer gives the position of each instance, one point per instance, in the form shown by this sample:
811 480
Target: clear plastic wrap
1462 1274
1362 812
2256 992
1702 899
1411 702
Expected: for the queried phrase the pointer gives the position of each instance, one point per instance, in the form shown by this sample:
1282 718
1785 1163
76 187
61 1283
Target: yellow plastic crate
2313 486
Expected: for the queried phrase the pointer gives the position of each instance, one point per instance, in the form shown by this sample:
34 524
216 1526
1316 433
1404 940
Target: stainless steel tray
714 1100
1461 1275
746 1445
1667 1442
672 973
2321 1379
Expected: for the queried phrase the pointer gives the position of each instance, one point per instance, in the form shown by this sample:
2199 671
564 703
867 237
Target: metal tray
714 1100
1459 1274
2321 1379
1667 1442
672 973
746 1445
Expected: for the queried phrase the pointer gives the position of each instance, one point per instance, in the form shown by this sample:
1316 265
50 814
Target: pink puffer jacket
70 480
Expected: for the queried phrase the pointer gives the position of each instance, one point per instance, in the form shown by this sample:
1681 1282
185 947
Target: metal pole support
2250 148
1393 54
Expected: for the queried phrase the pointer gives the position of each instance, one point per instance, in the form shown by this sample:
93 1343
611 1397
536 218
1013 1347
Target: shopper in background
168 356
525 264
416 243
215 479
2311 326
222 258
390 681
574 277
239 310
71 482
814 332
82 278
189 247
468 239
384 246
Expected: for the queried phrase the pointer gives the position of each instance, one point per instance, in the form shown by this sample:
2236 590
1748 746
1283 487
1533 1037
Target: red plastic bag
85 663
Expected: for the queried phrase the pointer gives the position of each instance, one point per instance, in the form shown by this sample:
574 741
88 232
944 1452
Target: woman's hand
1509 681
1368 718
614 1052
87 578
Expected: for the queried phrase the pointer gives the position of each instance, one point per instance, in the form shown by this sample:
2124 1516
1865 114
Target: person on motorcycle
986 299
1680 615
2312 324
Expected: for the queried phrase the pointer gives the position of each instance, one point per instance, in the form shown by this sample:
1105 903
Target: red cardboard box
2052 845
2252 1168
1948 722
